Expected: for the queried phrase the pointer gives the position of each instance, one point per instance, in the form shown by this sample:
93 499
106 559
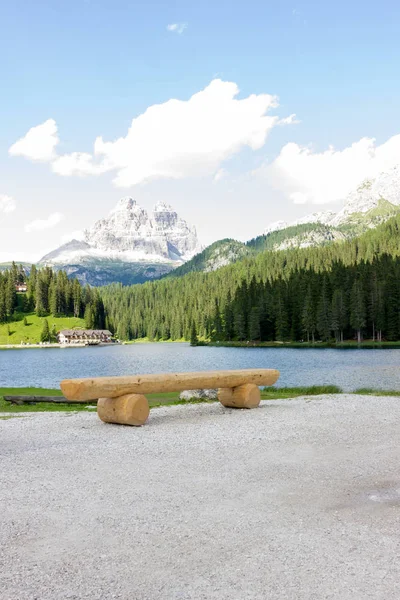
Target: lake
349 369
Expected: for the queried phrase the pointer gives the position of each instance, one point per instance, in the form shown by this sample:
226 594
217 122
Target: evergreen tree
324 314
229 329
3 310
218 329
239 325
45 334
10 295
309 316
193 336
254 324
281 313
339 314
89 317
41 297
357 309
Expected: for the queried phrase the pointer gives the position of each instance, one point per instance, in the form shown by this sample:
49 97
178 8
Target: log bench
122 399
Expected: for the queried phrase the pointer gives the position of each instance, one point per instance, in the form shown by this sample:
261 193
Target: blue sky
94 65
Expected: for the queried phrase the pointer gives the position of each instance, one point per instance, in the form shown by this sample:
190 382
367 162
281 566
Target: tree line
339 291
342 291
49 293
343 303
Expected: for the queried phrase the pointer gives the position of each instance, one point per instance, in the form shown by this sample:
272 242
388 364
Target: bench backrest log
83 390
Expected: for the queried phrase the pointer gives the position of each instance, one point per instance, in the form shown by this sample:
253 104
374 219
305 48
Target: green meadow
16 331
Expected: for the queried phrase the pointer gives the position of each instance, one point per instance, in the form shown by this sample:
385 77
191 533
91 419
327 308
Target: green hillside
299 232
218 254
228 251
15 332
52 302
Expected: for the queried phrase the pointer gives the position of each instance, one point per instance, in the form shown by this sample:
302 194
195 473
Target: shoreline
52 345
349 345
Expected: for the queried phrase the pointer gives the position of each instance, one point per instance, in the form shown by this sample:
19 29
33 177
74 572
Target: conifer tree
309 317
10 295
254 324
339 314
229 330
3 310
324 314
357 309
45 334
193 336
239 325
218 329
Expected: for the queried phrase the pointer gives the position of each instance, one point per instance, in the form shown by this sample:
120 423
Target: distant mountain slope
371 204
7 265
228 251
297 236
218 254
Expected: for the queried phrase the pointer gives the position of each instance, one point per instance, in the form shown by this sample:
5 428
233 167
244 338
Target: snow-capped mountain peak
163 207
130 234
126 203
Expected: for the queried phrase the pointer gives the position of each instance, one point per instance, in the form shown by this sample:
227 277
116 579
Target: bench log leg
243 396
131 409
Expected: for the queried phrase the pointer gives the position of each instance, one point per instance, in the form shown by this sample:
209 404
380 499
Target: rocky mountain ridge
130 245
371 203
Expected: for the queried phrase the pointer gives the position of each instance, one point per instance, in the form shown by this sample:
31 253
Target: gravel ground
297 500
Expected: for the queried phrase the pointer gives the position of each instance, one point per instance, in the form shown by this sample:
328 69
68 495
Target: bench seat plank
82 390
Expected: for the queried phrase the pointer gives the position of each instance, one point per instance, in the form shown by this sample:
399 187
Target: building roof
70 332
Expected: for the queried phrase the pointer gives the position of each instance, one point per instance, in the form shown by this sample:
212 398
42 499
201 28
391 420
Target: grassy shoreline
347 345
167 399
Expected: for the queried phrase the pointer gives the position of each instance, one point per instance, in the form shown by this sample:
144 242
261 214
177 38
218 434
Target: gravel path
297 500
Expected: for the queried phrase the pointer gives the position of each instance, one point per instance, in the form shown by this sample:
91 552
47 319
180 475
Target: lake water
349 369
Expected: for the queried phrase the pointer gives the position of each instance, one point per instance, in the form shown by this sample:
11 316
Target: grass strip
170 398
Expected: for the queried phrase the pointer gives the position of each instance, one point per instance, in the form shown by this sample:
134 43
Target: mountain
373 202
129 246
383 190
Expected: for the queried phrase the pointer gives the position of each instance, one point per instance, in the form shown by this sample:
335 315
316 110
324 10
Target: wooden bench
122 400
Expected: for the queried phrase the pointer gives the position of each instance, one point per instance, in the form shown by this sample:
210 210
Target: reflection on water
350 369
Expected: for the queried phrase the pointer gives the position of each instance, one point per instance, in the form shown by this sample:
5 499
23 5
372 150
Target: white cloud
177 27
306 176
7 204
79 163
290 120
179 138
220 174
41 224
39 143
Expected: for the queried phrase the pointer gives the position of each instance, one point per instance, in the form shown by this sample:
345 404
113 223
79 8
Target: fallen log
33 399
